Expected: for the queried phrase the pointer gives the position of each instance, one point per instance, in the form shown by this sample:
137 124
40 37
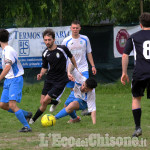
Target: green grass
114 119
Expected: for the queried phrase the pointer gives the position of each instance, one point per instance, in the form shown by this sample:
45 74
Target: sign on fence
28 42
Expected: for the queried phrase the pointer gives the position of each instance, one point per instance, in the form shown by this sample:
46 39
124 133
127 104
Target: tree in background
38 13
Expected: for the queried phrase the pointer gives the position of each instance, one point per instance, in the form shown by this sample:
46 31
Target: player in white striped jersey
13 84
81 98
79 45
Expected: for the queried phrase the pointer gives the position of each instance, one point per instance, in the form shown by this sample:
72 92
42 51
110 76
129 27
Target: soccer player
13 84
54 57
79 45
81 98
139 42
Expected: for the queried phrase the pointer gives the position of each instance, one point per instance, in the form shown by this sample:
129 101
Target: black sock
54 102
137 117
37 115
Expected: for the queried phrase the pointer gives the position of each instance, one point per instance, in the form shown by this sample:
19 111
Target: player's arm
6 69
92 105
74 62
125 61
93 116
43 71
90 58
69 71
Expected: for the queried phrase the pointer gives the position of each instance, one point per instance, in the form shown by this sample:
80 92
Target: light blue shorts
72 98
70 84
12 90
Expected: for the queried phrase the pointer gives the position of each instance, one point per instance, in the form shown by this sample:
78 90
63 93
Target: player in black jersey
139 42
54 60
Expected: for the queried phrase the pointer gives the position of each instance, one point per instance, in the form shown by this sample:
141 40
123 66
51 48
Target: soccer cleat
25 129
53 107
31 121
78 119
137 132
85 112
28 117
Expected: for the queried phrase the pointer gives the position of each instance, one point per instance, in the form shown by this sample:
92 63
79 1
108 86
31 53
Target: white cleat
53 107
31 121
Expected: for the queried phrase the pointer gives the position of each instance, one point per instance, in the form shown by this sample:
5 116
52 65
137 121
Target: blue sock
25 113
73 115
19 114
61 114
10 110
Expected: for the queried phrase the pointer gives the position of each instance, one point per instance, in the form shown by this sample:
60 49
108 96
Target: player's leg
44 102
136 110
70 85
20 116
63 112
138 88
53 93
69 110
55 103
81 105
15 95
4 106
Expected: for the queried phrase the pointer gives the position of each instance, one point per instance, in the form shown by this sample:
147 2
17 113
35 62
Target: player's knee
12 105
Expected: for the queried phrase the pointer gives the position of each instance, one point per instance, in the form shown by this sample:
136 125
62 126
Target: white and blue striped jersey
16 69
79 48
88 97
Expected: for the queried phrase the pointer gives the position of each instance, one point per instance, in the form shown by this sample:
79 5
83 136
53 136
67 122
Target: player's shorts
12 90
72 98
138 88
70 84
54 90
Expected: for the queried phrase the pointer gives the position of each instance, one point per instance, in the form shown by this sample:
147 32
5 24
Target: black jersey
55 61
139 42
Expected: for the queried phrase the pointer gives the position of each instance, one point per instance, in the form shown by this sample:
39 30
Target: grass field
114 121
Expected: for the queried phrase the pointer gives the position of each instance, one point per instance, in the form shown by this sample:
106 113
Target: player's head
76 22
49 32
75 27
145 19
4 35
89 85
49 38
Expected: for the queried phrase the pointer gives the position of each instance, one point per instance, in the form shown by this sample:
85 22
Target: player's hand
39 76
94 70
70 77
124 78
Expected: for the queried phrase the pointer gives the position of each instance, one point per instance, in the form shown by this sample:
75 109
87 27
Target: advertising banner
29 44
121 34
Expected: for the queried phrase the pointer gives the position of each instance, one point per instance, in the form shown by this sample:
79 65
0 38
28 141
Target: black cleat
28 117
137 132
25 129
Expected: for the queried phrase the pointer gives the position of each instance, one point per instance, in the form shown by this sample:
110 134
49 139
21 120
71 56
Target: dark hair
145 19
91 83
49 32
76 22
4 35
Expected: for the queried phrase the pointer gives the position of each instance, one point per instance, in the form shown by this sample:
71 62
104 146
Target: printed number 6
146 49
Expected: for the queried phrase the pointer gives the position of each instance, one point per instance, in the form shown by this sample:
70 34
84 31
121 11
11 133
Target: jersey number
146 49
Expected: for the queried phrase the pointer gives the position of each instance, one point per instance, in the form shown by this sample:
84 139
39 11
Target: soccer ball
48 120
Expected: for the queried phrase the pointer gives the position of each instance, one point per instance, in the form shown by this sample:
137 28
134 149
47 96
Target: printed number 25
146 49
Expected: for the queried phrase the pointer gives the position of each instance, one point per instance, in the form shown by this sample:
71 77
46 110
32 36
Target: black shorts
139 86
54 90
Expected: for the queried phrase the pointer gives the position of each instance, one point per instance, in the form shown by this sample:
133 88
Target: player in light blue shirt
13 84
